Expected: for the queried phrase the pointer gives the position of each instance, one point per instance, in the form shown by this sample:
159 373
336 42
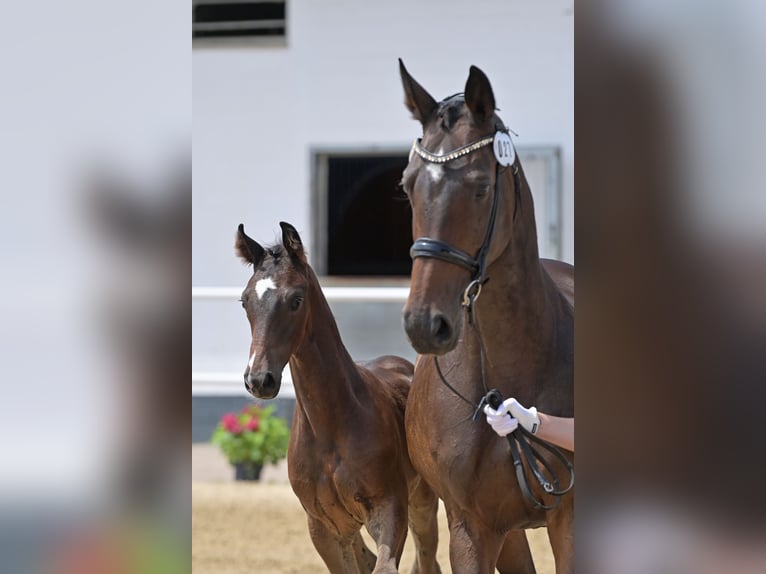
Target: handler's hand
500 421
528 418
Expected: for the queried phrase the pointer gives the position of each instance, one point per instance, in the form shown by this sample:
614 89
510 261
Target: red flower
253 424
231 424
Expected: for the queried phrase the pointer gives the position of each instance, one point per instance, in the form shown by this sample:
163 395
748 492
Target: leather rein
520 439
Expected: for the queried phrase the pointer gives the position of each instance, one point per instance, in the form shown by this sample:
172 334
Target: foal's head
451 203
274 302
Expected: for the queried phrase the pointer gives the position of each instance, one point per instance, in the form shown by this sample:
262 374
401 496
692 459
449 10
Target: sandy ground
242 528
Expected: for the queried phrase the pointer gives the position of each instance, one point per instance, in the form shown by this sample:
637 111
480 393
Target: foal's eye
295 302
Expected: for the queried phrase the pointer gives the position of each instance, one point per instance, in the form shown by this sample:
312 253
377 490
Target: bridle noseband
477 265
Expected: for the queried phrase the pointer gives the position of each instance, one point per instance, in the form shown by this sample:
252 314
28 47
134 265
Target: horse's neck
517 312
322 370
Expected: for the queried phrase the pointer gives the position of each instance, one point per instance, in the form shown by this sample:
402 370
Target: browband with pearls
418 148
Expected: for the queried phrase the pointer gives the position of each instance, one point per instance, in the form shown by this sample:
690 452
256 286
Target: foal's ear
418 101
292 241
247 249
478 96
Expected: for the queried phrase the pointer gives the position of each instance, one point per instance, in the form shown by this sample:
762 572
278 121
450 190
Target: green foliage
253 434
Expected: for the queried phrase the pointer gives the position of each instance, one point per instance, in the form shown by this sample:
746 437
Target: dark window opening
214 19
369 220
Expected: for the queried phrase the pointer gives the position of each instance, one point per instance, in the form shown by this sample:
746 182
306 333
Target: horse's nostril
441 329
268 383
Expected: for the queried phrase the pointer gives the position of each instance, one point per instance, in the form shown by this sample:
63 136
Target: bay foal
347 459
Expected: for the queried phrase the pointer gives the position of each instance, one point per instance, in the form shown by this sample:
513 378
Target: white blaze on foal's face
264 285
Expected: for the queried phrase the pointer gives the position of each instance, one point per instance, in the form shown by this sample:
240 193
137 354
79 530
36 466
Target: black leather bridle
519 439
438 249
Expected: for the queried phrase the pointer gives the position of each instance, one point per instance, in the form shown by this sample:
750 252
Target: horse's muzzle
430 332
263 385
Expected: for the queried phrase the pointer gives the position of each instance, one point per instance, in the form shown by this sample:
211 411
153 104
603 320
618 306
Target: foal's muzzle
263 385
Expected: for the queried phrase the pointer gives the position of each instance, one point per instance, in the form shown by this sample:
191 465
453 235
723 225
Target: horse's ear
478 96
247 249
418 101
292 241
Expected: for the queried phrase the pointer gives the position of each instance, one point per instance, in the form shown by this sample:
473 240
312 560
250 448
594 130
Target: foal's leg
365 559
515 557
423 506
388 527
561 535
338 558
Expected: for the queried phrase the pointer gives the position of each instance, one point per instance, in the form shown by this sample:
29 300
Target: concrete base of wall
210 465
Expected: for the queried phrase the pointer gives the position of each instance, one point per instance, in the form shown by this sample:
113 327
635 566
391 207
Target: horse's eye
295 302
482 191
243 303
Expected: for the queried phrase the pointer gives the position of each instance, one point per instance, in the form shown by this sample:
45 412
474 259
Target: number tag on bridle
504 151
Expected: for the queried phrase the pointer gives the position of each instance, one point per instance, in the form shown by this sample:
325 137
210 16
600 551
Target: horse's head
274 302
456 203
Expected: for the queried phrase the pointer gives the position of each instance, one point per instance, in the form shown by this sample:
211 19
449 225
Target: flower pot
247 470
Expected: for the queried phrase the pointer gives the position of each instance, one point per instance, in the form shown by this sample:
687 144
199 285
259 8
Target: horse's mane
449 110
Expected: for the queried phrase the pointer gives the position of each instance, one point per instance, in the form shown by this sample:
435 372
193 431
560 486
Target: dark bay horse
347 458
469 196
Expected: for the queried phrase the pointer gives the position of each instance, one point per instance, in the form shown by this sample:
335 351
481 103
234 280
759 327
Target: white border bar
225 384
345 294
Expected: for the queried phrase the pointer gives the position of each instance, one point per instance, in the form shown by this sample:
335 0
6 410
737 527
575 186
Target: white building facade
266 111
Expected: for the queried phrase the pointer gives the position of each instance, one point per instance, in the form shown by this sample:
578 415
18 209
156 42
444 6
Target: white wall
258 110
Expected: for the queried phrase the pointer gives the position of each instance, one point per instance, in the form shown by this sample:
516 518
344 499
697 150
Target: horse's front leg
561 534
515 557
473 548
388 527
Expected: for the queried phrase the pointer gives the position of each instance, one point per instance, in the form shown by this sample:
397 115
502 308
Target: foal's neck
324 375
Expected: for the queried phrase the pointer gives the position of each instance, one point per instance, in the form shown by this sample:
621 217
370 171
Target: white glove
500 421
504 424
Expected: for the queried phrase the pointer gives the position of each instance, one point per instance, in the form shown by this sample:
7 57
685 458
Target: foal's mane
277 252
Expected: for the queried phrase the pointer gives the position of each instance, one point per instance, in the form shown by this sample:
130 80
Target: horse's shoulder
562 275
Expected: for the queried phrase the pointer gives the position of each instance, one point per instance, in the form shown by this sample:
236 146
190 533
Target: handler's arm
559 431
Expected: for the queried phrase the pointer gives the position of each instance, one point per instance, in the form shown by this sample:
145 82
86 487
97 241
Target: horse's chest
442 453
